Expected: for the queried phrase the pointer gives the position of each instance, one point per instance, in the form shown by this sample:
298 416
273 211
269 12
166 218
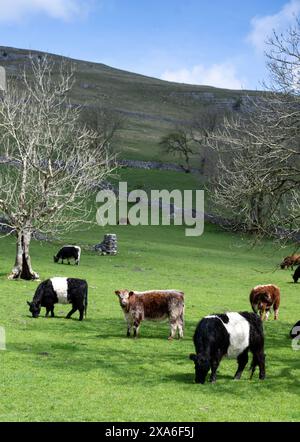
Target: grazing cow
67 252
296 275
263 297
290 261
60 291
155 305
295 330
232 335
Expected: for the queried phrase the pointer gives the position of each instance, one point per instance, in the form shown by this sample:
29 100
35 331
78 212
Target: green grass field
63 370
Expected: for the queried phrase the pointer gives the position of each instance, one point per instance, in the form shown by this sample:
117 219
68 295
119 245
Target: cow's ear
131 293
193 357
117 292
29 303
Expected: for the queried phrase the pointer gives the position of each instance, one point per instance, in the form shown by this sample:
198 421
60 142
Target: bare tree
201 128
51 161
105 122
191 137
258 181
179 142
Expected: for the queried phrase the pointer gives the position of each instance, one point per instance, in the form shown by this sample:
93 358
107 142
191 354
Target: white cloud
262 27
16 10
221 75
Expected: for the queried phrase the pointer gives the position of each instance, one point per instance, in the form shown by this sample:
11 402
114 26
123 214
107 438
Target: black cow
296 275
230 334
62 291
68 252
295 330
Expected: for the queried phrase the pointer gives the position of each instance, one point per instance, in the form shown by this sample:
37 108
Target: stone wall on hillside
154 165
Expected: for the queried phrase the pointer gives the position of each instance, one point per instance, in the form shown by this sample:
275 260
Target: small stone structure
109 245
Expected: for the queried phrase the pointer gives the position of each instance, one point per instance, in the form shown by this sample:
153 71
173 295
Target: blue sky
216 42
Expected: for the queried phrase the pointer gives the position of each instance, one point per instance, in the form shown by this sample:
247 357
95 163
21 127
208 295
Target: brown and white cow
290 261
263 297
153 305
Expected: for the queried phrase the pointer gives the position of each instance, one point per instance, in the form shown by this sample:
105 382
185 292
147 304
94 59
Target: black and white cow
229 334
67 252
60 290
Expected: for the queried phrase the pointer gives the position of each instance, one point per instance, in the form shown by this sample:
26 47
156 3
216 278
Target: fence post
2 79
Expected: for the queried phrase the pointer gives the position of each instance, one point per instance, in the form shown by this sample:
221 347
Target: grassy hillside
150 106
57 369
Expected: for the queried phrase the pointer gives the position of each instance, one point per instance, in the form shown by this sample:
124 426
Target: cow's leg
267 314
262 312
276 309
68 261
173 326
214 364
258 360
62 261
242 362
180 328
261 364
136 327
129 325
71 312
49 309
81 311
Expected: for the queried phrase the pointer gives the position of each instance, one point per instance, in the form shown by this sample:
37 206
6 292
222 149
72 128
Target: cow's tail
86 300
253 308
253 366
182 311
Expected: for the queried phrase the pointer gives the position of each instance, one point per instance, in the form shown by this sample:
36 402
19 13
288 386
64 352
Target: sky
218 42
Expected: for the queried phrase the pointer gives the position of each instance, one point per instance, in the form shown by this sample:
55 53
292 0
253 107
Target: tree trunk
22 268
257 217
187 161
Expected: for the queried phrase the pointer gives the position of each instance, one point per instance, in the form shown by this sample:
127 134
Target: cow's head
287 262
124 296
265 298
201 367
34 309
55 258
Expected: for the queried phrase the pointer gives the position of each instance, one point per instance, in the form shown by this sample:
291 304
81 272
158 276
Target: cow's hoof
170 338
